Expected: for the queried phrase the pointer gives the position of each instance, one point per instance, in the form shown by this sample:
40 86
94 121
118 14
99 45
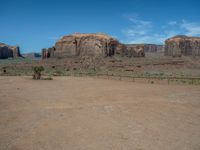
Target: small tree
37 72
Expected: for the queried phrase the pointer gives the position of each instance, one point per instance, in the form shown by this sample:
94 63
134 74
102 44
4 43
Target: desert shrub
146 74
37 72
4 70
58 73
183 81
161 74
47 78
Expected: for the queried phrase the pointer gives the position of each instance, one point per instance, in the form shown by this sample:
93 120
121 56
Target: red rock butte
96 44
7 51
182 45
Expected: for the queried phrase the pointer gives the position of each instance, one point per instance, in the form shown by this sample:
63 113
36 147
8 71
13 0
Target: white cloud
192 28
138 27
137 21
153 38
172 23
142 31
114 36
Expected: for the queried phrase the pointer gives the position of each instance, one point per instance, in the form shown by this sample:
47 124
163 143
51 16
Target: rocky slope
153 48
182 45
7 51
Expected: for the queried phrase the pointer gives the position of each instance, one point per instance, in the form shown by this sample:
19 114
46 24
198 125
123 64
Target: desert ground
85 113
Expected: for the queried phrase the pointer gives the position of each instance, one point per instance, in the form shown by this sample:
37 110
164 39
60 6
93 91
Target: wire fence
190 80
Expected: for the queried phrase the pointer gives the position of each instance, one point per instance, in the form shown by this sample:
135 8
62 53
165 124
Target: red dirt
98 114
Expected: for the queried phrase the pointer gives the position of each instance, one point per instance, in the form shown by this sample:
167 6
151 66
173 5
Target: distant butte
80 44
7 51
182 45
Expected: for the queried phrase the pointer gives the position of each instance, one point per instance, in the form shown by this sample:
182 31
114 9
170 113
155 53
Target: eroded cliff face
153 48
84 45
139 50
90 45
182 45
7 51
134 50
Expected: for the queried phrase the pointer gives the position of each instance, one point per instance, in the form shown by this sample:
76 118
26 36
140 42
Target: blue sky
37 24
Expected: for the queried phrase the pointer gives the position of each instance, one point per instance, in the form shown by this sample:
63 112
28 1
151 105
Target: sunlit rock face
139 50
153 48
134 50
182 45
7 51
85 45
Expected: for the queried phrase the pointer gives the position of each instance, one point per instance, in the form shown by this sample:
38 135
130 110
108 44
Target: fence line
120 77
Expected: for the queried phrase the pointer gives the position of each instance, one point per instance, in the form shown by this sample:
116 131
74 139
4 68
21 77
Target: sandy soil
71 113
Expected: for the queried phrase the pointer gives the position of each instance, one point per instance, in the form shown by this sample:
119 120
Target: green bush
37 72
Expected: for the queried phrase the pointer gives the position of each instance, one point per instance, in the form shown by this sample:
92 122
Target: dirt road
71 113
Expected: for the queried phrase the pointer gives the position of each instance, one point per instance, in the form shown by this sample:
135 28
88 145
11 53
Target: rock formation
31 55
84 45
134 50
90 45
139 50
48 52
153 48
7 51
182 45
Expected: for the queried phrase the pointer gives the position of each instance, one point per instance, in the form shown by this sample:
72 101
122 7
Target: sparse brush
47 78
4 70
37 72
58 73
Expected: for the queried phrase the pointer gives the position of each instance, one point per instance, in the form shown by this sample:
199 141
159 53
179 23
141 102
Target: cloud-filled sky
37 24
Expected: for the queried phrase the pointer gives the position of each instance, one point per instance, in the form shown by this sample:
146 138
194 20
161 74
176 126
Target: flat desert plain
79 113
